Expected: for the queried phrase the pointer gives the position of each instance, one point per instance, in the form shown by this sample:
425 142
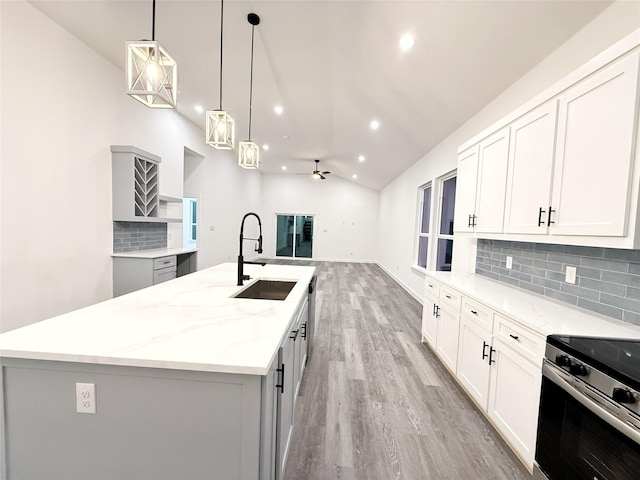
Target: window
445 232
189 222
425 217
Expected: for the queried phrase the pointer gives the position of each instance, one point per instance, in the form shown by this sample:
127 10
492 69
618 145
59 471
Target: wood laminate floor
375 403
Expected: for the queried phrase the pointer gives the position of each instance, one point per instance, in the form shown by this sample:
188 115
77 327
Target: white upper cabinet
531 154
465 211
482 178
596 131
492 181
565 167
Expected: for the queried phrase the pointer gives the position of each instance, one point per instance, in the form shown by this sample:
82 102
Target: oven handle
551 372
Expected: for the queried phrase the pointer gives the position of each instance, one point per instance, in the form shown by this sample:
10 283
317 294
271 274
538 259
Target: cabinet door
473 361
447 339
467 177
492 182
514 398
596 132
430 320
285 405
531 152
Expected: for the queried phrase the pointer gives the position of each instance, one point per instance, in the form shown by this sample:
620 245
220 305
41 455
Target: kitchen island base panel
150 423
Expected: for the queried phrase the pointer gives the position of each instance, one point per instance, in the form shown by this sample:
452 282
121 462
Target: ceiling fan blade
325 173
322 177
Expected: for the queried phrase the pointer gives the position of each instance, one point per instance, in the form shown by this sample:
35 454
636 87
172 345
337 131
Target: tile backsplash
134 236
607 280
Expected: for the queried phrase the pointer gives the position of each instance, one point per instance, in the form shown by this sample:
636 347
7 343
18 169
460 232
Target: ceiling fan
317 174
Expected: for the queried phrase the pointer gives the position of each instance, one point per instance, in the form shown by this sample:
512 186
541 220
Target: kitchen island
189 383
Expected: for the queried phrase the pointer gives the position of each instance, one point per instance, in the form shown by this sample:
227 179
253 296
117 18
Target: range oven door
580 440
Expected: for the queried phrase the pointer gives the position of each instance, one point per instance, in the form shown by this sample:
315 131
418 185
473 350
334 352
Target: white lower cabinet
496 360
473 361
514 398
447 338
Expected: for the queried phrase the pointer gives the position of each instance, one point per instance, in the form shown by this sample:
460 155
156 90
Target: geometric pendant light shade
221 130
248 151
151 73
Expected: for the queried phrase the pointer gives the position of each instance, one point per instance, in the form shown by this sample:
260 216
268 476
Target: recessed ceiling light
265 147
278 109
284 167
285 137
361 158
407 41
374 124
354 176
199 109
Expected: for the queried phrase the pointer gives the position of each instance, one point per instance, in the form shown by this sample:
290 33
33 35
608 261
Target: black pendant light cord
221 38
251 80
153 23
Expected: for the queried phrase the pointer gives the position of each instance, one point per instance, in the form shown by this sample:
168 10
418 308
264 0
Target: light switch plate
570 275
509 262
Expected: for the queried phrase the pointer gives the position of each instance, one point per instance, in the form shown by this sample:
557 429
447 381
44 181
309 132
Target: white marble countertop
155 253
543 315
189 323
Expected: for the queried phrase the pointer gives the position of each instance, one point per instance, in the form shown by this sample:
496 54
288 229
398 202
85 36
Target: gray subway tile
560 258
622 278
632 293
624 255
556 267
589 272
594 252
612 288
601 264
631 317
532 270
509 280
557 276
532 288
535 255
523 277
563 297
580 291
523 261
620 302
600 308
634 268
550 247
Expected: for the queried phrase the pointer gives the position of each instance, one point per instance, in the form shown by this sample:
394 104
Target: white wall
62 106
346 214
397 225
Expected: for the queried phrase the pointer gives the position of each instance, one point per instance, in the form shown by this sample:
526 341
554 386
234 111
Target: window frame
441 236
420 222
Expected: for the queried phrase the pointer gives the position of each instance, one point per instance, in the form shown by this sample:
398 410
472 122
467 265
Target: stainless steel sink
267 290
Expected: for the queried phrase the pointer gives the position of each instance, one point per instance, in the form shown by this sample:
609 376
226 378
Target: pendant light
220 125
152 75
248 151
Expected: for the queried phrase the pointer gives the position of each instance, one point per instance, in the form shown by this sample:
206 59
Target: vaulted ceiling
336 65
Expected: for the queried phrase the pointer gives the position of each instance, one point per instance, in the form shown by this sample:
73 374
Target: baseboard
402 284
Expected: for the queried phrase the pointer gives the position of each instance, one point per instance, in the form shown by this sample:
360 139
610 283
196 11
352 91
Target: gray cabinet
135 184
291 358
132 273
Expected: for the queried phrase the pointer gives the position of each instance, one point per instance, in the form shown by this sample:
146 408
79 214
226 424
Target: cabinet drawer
164 262
431 287
478 313
164 274
524 341
450 297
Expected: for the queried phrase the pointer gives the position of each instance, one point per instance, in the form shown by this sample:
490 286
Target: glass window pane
448 206
423 248
426 209
304 236
284 236
193 232
445 252
193 211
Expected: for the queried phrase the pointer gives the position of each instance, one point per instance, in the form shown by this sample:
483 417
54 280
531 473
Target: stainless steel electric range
589 423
